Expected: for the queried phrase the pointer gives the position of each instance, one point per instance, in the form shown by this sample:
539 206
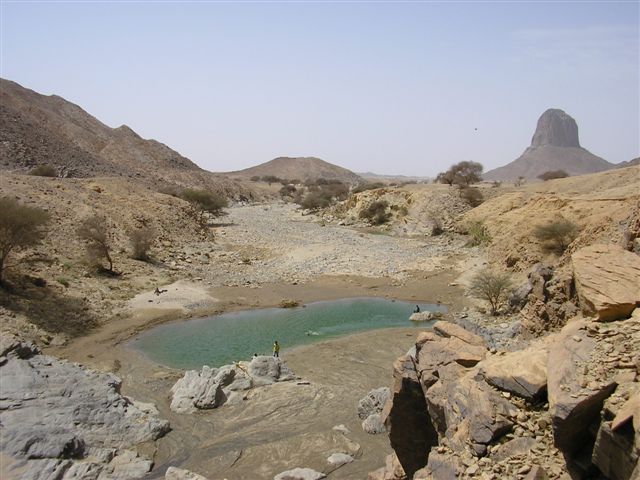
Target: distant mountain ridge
555 146
37 129
301 168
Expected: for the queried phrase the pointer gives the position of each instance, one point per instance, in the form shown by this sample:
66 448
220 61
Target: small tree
552 174
556 235
376 212
473 196
462 173
44 171
21 226
492 287
447 177
98 243
204 202
519 181
315 200
288 191
141 241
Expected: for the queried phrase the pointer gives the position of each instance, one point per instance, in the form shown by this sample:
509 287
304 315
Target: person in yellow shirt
276 349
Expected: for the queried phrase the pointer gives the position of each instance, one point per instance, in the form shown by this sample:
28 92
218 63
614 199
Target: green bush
478 234
204 202
21 226
315 200
363 187
376 212
473 196
44 171
462 173
556 235
63 281
492 287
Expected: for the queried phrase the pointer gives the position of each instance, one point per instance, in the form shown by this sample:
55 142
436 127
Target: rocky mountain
37 130
302 168
629 163
555 146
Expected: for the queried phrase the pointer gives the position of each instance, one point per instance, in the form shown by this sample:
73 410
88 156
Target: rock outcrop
60 417
425 316
300 474
213 387
554 146
607 280
174 473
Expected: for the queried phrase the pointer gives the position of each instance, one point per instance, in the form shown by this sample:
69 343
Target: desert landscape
307 240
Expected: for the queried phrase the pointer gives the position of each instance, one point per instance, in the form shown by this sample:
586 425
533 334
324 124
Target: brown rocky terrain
48 130
554 146
300 168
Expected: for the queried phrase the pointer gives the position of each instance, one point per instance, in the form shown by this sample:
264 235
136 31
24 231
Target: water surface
223 339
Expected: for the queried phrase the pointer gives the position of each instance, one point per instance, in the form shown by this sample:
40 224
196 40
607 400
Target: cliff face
569 402
555 146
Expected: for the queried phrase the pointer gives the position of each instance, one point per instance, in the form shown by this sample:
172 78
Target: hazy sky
389 87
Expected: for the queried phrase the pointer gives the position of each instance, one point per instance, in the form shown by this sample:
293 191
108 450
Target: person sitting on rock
417 310
276 349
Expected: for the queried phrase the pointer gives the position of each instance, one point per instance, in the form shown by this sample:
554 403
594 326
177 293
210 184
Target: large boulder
607 280
55 413
213 387
523 372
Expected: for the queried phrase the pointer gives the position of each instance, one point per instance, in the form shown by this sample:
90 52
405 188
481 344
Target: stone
373 424
441 467
523 372
629 411
607 280
425 316
536 473
214 387
614 453
300 474
448 330
573 408
54 414
373 402
336 460
391 471
174 473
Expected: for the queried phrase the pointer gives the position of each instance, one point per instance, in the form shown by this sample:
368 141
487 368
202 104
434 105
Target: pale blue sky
388 87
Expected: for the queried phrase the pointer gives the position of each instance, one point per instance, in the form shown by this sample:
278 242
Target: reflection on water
223 339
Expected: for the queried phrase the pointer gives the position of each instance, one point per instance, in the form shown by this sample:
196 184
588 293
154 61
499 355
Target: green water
230 337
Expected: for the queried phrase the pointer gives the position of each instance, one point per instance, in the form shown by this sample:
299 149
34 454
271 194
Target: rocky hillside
570 402
604 206
554 146
48 130
300 168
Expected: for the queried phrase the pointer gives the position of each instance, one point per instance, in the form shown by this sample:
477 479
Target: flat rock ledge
300 474
61 420
213 387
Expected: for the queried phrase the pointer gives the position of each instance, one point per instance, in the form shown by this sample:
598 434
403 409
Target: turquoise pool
230 337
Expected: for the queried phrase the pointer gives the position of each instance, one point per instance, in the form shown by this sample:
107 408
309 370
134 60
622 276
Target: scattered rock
337 460
300 474
174 473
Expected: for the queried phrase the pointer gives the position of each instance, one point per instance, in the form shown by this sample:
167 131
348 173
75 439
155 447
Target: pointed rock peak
126 130
557 128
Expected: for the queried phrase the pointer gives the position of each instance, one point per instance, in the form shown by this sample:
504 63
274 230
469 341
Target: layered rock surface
60 417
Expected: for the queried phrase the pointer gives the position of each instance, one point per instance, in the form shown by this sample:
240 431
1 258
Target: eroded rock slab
62 417
607 280
300 474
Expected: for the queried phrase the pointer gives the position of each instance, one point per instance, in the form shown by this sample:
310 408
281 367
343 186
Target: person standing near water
417 310
276 349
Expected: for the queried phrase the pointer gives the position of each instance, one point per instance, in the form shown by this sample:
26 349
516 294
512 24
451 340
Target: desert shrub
44 171
271 179
473 196
314 200
21 226
478 234
255 178
435 225
556 235
335 190
496 184
168 189
552 174
94 232
288 191
204 202
492 287
289 303
462 173
141 240
376 212
519 181
63 281
363 187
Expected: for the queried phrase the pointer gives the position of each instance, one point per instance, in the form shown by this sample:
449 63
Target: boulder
440 467
523 372
300 474
174 473
425 316
213 387
374 424
607 280
391 471
373 402
55 413
572 406
614 453
451 330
